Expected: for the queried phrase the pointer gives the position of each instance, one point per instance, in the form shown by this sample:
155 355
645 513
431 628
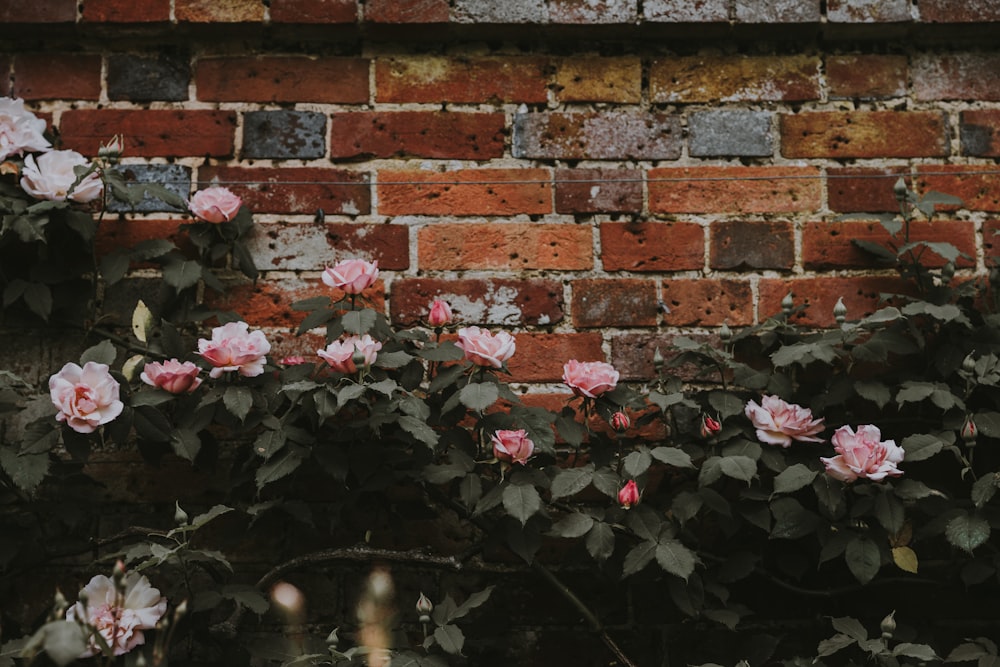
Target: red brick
488 302
456 80
959 11
282 79
57 76
605 134
432 134
741 245
5 62
540 357
507 246
38 11
866 76
125 233
295 189
465 192
829 245
820 295
864 134
126 11
734 78
978 191
991 242
598 191
595 79
614 303
314 11
632 354
704 302
267 303
857 189
980 132
151 133
734 189
407 11
652 246
957 76
311 247
219 11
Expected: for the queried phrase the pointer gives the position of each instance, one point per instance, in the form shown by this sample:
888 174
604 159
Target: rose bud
424 608
620 422
440 314
969 430
628 495
709 427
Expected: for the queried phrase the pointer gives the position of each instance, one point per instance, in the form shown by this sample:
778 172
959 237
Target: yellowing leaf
142 321
130 367
905 559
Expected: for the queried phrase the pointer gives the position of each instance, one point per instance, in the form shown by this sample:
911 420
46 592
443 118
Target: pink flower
120 618
589 378
85 397
293 360
215 204
234 347
620 422
440 314
483 348
709 427
52 175
20 130
340 354
172 376
513 446
863 454
353 276
628 495
778 422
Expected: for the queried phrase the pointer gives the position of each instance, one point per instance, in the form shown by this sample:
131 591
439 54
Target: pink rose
20 130
512 446
440 314
483 348
620 422
172 376
340 354
120 618
863 454
628 495
353 276
234 347
709 427
589 378
52 175
778 422
215 205
293 360
85 397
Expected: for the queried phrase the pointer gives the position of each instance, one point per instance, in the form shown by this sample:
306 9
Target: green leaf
676 558
185 443
833 644
269 442
419 429
880 252
570 481
479 396
63 641
851 627
181 274
114 265
450 638
921 446
572 431
474 601
521 501
26 470
791 519
444 351
918 651
793 478
358 321
238 401
874 391
863 559
639 557
672 456
983 490
572 525
637 462
277 468
685 505
967 532
247 597
890 512
600 541
742 468
725 404
103 353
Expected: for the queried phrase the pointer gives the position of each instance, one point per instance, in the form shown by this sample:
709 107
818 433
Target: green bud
840 311
888 625
899 189
787 303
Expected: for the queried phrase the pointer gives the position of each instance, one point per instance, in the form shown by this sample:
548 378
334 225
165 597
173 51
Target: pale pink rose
353 276
215 205
779 423
85 397
440 314
234 347
51 176
120 618
628 495
172 376
340 354
20 130
863 454
513 446
293 360
483 348
589 378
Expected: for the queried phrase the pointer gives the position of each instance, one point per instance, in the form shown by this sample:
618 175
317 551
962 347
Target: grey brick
730 133
284 134
593 11
777 11
146 79
611 135
499 11
174 177
867 11
686 11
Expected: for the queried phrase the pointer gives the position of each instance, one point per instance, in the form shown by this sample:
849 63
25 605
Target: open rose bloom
513 446
779 423
51 176
234 347
172 376
215 205
20 130
353 276
85 397
863 454
589 378
120 618
483 348
340 353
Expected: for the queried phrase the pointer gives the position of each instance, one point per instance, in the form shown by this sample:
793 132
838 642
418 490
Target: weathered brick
956 76
863 189
148 78
734 78
593 11
407 11
632 354
282 79
311 247
126 11
593 79
600 135
733 132
819 295
57 76
864 134
465 192
866 76
437 79
830 245
540 357
706 302
598 191
487 302
490 11
614 303
980 132
508 246
125 233
268 303
959 11
314 11
295 189
151 132
432 134
777 11
686 11
978 191
991 242
5 63
867 11
742 245
284 134
219 11
174 177
652 246
734 189
38 11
